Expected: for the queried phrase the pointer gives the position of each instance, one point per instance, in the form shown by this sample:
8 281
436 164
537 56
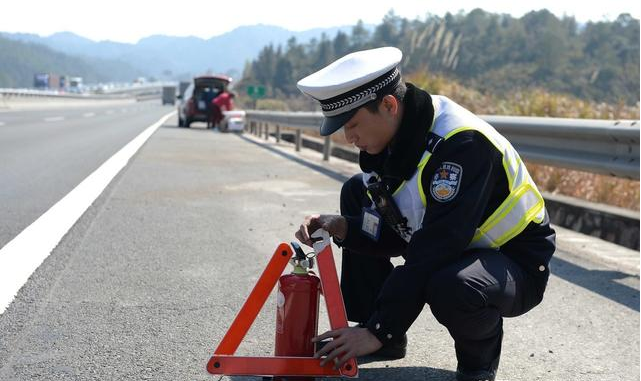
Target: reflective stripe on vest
523 205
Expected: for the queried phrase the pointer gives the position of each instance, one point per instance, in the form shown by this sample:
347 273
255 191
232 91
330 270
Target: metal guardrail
111 93
599 146
31 93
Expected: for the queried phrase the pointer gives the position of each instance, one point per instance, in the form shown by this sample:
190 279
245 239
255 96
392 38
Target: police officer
444 190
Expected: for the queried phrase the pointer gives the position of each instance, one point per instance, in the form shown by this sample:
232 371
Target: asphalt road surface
44 154
146 283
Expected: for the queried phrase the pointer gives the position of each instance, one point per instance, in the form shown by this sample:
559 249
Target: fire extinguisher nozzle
300 255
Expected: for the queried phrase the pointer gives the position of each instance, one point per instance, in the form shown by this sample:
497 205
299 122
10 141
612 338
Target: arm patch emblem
446 181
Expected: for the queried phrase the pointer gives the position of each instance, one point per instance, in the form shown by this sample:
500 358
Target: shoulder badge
446 181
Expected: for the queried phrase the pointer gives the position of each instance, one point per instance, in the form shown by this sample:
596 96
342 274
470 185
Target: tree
495 53
387 32
324 53
283 79
264 67
341 44
360 36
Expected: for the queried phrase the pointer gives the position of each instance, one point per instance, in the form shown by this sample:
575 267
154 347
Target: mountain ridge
179 57
24 59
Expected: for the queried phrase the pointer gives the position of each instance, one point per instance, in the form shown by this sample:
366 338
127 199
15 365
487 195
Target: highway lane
146 283
45 153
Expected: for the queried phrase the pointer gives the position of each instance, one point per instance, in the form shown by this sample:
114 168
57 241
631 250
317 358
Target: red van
195 102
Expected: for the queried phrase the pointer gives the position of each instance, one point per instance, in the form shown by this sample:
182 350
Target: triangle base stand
223 361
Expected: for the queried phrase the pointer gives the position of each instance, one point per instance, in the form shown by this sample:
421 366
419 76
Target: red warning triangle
225 363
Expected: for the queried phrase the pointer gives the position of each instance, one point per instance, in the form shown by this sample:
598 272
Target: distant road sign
256 91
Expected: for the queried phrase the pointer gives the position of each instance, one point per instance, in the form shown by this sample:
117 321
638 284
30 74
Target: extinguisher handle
298 251
321 237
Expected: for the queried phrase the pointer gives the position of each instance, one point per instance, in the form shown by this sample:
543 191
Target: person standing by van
223 102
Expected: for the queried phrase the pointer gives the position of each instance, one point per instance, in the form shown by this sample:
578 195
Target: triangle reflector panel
223 360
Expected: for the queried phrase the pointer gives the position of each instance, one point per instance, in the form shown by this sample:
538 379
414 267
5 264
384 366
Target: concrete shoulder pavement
148 281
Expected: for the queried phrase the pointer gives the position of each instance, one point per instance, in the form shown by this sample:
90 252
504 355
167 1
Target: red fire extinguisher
297 303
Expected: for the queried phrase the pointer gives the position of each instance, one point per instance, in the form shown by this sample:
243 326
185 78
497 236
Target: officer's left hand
347 343
336 226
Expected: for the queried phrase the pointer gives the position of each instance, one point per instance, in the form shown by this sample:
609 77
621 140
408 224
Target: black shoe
488 374
392 351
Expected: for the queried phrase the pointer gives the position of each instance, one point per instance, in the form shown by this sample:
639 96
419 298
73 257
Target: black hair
397 91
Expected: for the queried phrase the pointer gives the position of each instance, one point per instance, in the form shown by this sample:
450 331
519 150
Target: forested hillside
492 53
19 61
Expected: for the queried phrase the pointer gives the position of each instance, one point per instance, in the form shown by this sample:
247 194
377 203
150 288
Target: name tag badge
371 224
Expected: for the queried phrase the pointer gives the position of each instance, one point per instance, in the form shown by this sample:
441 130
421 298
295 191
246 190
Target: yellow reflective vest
523 204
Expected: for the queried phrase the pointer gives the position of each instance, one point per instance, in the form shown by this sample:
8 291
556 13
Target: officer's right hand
335 225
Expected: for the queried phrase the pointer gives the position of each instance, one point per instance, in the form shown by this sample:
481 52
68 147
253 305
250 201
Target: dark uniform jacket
448 227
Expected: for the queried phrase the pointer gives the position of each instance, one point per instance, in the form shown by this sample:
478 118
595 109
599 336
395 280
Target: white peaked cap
351 82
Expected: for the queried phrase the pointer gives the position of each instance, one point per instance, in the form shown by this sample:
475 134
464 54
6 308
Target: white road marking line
54 119
23 254
88 114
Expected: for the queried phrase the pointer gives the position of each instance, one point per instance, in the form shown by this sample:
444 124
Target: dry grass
529 102
588 186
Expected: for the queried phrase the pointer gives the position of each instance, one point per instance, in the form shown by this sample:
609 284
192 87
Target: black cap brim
334 123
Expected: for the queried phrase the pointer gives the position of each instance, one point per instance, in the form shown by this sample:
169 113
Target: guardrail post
298 140
260 129
278 133
266 131
327 148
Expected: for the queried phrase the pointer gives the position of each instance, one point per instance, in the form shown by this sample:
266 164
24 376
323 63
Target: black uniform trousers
469 297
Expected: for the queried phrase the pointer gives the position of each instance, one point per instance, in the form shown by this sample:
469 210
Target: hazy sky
130 20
